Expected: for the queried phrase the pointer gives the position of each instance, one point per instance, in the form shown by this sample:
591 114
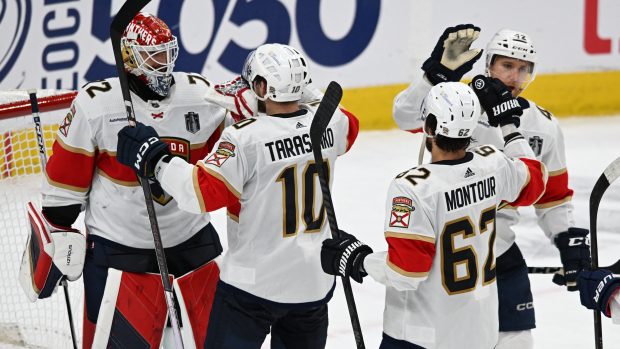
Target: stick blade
323 115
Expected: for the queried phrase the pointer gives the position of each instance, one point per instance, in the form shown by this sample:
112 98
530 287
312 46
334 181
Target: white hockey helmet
512 44
456 108
284 68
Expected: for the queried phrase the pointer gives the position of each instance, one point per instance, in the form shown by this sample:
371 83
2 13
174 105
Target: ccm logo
578 241
525 306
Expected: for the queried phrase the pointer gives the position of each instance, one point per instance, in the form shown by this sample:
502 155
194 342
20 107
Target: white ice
360 186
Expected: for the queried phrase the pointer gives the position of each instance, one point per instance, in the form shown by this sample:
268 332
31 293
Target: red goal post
42 324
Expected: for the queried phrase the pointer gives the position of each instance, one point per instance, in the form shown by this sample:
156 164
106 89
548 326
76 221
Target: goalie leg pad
51 253
195 292
133 311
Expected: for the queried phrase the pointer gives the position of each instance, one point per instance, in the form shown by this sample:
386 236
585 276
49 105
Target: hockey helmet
149 51
456 108
513 44
283 67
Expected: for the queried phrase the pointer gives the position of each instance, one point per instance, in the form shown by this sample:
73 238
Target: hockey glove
497 101
574 246
51 254
140 148
235 96
344 256
596 288
451 58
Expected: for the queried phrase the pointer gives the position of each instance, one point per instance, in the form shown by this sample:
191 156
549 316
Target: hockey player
439 269
263 172
600 290
510 63
84 174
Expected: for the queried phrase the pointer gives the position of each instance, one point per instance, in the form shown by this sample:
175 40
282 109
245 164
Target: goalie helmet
513 44
456 108
149 51
284 68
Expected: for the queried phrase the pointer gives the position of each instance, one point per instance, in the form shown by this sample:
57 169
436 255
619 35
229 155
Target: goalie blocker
51 253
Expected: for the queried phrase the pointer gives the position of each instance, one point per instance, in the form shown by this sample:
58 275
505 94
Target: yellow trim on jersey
220 177
557 172
117 181
554 203
404 272
201 201
391 234
75 150
232 216
506 206
197 145
66 186
109 152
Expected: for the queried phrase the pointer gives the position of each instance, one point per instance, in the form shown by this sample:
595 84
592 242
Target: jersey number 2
290 189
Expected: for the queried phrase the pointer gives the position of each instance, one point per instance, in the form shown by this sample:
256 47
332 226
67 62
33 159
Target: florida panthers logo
14 24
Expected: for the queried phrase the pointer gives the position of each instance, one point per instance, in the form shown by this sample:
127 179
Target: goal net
43 324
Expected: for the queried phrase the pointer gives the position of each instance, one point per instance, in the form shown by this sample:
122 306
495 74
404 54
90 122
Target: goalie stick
614 268
610 174
34 106
119 23
323 115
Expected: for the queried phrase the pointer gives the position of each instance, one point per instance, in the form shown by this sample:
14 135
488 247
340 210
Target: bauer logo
14 24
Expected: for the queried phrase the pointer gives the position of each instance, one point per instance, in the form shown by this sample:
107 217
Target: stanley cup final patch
224 151
401 212
192 122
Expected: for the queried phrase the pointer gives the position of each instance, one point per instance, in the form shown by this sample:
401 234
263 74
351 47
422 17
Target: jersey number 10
290 189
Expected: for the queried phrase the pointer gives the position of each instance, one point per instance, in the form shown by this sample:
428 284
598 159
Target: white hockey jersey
83 168
263 171
543 133
439 269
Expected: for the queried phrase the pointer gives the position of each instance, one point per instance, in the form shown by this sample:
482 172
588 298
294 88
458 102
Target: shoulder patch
402 207
225 150
66 122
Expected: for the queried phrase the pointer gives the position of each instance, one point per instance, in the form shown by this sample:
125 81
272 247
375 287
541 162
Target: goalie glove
452 58
235 96
51 254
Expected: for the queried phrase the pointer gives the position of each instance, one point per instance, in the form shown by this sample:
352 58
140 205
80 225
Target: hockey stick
34 105
321 119
611 173
119 23
614 268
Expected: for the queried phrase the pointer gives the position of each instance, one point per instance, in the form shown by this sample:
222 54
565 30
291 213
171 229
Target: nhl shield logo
401 212
192 122
536 143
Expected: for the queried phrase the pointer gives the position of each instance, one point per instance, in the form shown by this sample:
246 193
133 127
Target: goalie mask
456 108
149 52
517 45
284 68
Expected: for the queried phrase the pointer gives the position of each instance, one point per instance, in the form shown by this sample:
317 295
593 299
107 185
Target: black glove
451 58
496 99
344 256
574 246
602 280
140 148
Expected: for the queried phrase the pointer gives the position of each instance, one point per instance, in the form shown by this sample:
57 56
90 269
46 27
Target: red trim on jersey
114 169
413 256
354 128
557 189
70 168
415 130
533 189
215 193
